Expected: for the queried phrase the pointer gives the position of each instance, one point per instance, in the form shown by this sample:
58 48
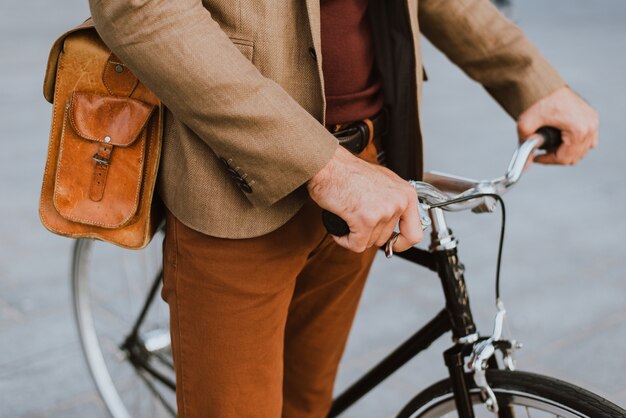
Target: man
261 298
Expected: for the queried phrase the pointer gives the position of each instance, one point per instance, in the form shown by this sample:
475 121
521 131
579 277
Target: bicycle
131 358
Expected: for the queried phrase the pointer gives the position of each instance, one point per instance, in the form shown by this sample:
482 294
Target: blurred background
563 276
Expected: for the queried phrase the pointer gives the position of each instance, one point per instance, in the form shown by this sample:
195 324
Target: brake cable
501 242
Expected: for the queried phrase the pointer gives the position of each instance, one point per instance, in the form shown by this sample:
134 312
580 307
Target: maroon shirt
352 83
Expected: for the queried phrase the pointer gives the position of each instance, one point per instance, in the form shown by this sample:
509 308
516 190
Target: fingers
528 123
376 230
538 115
568 112
548 159
574 148
410 227
384 234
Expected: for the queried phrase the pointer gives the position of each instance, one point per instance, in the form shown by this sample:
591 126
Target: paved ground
563 276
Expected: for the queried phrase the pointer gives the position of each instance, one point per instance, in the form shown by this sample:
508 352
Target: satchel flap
53 59
114 120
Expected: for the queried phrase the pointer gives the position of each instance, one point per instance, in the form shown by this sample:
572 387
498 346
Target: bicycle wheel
519 394
123 327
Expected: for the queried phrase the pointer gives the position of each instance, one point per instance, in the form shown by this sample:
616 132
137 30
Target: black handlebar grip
334 224
551 138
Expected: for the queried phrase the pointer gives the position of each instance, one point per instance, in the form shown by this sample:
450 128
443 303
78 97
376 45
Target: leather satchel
105 144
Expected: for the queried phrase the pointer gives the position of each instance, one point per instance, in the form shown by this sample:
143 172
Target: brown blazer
243 82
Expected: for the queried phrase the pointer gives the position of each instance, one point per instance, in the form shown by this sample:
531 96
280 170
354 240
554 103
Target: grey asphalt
564 280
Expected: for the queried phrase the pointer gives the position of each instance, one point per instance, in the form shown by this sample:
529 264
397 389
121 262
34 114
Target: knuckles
587 130
357 243
384 210
381 241
370 219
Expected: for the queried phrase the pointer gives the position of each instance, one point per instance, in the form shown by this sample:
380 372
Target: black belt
356 136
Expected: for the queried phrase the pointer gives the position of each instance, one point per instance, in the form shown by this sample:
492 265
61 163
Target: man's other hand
566 111
371 199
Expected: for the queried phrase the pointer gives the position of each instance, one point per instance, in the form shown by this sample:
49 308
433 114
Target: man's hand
371 199
566 111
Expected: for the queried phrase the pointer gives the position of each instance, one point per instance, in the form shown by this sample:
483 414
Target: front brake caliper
483 351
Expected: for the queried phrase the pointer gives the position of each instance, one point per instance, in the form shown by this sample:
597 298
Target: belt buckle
346 131
359 129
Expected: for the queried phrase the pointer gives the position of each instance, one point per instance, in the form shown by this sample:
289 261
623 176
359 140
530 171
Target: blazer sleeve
178 51
490 49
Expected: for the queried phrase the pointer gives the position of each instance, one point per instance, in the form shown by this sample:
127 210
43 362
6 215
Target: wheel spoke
156 393
164 359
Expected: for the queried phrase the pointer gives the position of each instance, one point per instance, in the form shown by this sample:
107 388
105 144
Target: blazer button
243 185
232 173
241 182
312 53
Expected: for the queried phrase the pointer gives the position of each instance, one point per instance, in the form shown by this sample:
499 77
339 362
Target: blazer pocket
245 46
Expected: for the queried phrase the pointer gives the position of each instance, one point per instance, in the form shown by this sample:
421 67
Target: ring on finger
390 243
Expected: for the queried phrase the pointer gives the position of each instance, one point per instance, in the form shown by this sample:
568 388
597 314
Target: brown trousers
259 325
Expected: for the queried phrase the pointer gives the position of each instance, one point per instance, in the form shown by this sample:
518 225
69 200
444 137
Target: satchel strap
117 78
102 161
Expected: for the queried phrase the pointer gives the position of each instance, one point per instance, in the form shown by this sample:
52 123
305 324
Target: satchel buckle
103 159
100 159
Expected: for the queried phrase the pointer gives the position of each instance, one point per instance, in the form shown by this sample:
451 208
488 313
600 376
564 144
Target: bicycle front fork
479 351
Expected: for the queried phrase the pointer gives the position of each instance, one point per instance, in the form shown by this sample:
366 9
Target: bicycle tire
121 386
521 390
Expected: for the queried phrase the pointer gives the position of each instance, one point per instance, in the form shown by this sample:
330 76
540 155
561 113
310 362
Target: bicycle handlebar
435 187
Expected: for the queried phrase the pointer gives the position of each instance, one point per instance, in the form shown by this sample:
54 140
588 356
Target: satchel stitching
91 222
46 171
56 177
